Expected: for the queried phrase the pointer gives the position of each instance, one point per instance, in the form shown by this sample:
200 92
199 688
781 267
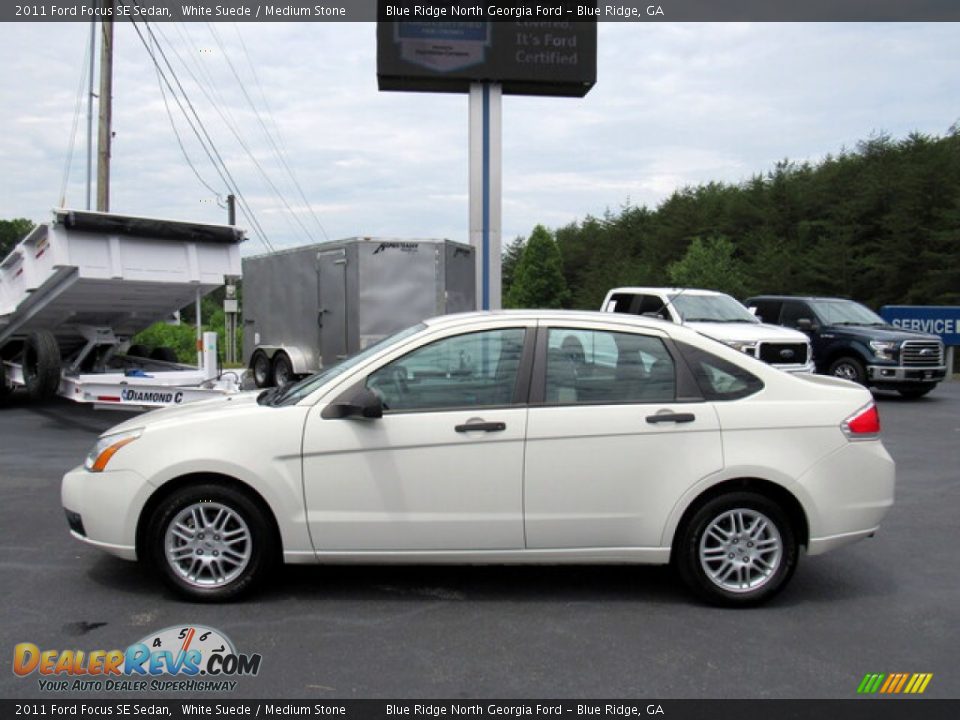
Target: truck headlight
883 349
750 348
107 447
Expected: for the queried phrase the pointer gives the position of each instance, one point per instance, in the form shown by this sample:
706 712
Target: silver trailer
307 308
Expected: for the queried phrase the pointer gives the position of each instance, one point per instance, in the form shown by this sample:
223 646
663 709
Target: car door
613 439
443 468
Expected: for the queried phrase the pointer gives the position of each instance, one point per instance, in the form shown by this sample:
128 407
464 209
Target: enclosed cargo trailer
307 308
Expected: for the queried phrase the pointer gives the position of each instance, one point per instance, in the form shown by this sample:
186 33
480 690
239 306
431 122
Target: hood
748 332
190 411
880 332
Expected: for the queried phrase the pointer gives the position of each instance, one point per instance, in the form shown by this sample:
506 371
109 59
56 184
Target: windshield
845 312
292 394
710 308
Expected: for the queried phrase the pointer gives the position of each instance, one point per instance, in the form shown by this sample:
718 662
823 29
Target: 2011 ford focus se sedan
508 437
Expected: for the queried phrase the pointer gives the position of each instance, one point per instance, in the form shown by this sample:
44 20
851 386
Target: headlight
750 348
883 349
107 447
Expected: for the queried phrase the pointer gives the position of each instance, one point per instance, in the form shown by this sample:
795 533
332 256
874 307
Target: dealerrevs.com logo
179 658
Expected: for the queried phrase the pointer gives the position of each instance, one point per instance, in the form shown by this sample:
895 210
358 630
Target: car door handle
481 427
671 417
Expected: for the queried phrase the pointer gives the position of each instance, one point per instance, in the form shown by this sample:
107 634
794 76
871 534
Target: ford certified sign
942 320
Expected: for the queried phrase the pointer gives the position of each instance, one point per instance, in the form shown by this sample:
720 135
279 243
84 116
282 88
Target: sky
675 104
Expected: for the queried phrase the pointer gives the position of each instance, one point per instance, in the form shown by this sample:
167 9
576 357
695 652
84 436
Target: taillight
864 424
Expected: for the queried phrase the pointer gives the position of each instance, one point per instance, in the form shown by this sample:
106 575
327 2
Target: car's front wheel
738 549
848 368
211 542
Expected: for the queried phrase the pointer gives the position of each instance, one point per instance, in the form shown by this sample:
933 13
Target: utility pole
106 102
230 305
90 96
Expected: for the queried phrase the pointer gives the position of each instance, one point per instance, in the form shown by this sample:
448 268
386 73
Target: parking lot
889 604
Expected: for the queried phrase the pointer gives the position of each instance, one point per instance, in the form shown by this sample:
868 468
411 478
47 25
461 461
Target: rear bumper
892 373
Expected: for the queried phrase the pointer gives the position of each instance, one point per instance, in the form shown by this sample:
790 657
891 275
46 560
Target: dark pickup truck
852 342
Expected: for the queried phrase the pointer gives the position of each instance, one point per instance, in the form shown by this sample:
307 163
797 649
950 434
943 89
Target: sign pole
485 190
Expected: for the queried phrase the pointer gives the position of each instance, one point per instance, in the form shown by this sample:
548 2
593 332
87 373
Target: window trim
521 386
686 388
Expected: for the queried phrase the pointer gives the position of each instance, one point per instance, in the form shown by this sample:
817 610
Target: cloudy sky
675 104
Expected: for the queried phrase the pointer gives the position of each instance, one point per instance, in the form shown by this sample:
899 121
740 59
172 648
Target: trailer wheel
5 389
260 369
41 365
164 354
282 369
141 351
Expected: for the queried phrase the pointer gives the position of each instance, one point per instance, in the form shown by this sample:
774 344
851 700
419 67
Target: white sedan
511 437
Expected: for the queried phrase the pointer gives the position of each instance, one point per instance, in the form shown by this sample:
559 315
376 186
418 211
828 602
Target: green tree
509 259
538 280
12 232
710 264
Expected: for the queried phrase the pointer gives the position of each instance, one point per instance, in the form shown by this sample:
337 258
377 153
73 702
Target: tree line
879 223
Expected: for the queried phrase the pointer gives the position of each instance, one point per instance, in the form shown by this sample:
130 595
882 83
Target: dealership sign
942 320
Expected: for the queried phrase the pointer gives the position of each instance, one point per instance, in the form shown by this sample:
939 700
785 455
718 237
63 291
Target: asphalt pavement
888 604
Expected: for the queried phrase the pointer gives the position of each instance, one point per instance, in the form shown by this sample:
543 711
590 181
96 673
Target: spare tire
165 354
41 365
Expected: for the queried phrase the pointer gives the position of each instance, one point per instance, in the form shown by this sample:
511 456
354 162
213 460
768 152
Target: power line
201 133
73 129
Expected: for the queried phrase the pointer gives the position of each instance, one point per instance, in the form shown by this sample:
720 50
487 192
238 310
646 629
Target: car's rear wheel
211 542
848 368
738 549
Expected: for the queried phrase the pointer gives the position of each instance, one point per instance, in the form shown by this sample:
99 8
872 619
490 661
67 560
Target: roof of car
659 290
795 297
559 315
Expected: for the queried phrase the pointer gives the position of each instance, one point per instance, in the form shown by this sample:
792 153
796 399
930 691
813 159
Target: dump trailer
75 290
307 308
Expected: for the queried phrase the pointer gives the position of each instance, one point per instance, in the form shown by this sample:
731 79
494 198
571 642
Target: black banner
481 10
857 709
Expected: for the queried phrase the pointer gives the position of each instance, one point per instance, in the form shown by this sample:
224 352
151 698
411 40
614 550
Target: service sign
942 320
527 56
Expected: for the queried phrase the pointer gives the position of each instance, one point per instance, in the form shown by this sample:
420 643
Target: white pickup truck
719 316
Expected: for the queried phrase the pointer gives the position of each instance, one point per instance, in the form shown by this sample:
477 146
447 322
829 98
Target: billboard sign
526 58
942 320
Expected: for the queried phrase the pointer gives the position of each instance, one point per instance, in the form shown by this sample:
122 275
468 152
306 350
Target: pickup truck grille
783 353
921 353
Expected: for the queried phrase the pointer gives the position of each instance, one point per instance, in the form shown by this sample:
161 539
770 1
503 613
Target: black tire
41 365
141 351
848 368
164 354
766 579
5 389
282 369
262 548
260 369
917 391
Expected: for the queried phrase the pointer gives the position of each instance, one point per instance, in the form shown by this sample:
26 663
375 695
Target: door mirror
362 403
807 325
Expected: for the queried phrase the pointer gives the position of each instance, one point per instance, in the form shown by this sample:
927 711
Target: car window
793 311
597 366
622 303
719 379
472 370
767 310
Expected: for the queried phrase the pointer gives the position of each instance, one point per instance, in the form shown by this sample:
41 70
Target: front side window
598 366
793 311
473 370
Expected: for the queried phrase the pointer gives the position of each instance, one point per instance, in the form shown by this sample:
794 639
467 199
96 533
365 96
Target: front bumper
807 369
891 373
103 508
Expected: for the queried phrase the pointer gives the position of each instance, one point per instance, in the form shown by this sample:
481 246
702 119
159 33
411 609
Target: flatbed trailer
75 290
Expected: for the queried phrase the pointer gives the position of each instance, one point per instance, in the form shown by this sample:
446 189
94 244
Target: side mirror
362 403
806 325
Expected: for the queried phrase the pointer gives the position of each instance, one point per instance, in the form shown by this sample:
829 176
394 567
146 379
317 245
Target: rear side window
717 378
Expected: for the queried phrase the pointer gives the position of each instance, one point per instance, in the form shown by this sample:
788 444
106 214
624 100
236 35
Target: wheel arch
789 502
853 350
171 486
